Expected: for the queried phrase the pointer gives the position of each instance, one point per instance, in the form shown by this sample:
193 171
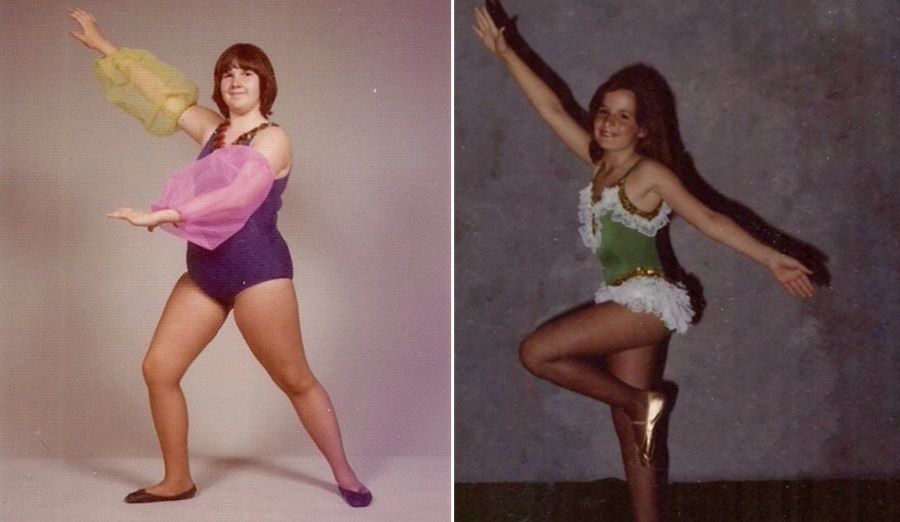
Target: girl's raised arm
792 275
160 96
539 94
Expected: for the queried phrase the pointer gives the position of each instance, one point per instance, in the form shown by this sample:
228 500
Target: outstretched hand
137 218
92 37
488 33
792 275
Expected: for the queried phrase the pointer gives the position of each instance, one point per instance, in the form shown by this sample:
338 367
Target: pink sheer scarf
216 194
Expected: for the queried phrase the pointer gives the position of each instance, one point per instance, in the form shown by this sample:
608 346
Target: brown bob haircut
251 57
655 112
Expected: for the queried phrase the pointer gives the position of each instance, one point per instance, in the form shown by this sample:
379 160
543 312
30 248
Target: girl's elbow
712 223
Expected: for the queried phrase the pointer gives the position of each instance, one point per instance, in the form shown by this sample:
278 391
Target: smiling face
615 126
244 80
240 90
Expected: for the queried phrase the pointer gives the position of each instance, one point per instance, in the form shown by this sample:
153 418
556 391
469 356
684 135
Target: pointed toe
361 498
142 497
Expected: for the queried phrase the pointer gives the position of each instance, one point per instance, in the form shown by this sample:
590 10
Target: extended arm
542 98
157 94
787 270
210 199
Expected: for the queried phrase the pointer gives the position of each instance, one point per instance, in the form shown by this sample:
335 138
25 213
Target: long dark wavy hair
655 113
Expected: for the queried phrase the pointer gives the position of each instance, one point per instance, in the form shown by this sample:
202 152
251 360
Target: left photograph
280 346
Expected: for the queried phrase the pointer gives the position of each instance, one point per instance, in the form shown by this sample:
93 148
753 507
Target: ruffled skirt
670 302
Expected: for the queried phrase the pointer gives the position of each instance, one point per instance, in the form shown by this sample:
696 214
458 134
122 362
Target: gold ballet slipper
644 436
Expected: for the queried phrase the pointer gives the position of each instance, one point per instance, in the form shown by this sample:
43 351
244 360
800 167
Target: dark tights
565 352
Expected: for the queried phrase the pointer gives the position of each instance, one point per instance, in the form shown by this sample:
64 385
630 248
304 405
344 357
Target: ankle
349 482
179 481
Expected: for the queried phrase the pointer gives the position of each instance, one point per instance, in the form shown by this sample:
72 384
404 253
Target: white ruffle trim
589 215
590 227
670 302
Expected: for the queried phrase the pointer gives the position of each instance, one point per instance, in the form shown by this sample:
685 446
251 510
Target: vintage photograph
225 276
675 261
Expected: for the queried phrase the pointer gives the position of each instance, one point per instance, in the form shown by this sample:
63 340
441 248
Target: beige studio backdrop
364 92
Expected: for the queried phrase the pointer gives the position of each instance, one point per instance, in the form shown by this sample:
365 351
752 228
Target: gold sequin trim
243 139
640 271
248 136
629 206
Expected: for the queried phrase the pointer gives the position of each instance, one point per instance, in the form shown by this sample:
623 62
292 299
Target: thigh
268 317
189 322
598 330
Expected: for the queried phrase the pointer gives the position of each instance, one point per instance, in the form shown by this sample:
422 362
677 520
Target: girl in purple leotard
225 204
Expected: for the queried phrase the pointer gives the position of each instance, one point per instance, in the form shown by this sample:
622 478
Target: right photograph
675 261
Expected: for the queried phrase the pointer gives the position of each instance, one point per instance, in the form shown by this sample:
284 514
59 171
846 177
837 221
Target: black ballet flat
361 498
142 497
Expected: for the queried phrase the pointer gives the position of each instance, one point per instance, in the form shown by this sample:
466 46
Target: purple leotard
256 253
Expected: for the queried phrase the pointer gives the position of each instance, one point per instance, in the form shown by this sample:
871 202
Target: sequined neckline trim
624 200
590 213
218 136
631 207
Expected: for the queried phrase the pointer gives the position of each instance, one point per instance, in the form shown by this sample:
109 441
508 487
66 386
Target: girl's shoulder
275 145
272 137
649 170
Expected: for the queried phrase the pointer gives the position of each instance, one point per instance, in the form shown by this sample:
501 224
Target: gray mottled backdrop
790 111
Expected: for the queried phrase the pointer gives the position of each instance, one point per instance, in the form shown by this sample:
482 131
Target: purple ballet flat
361 498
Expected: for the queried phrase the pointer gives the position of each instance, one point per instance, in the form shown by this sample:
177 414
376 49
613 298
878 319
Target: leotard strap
626 202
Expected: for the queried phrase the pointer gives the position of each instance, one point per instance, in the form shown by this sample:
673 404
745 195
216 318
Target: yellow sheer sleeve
146 88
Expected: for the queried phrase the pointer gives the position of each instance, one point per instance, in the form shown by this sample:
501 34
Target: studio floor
756 501
252 489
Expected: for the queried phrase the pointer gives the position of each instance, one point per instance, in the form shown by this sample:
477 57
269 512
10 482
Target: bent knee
533 354
159 372
296 385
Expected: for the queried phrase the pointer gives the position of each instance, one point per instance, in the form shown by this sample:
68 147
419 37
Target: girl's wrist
167 215
506 56
107 48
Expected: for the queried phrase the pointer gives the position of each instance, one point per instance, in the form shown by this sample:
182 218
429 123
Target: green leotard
623 238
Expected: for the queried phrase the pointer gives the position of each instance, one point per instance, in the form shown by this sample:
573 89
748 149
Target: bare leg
189 321
559 352
268 318
642 369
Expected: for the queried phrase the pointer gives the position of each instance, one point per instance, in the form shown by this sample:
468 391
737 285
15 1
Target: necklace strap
622 179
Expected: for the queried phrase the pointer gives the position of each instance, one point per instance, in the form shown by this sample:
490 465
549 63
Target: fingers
789 286
799 286
78 36
120 213
807 286
485 22
80 16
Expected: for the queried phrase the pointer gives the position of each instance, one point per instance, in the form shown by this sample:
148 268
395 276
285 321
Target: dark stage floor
607 500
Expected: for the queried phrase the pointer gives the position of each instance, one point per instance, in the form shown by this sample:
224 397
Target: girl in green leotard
631 193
